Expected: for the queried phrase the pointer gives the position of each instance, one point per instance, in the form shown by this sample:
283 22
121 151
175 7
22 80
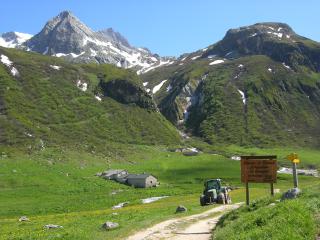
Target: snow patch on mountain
6 61
286 66
195 57
169 88
22 37
216 62
14 72
98 98
279 35
83 86
243 97
212 56
55 67
154 66
158 87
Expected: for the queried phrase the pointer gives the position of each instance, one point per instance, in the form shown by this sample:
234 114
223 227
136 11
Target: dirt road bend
198 227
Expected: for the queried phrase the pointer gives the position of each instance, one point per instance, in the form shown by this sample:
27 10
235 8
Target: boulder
188 154
23 219
291 194
190 151
52 226
120 205
110 225
181 208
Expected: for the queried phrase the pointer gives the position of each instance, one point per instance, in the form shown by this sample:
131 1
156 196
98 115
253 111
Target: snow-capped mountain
13 39
66 36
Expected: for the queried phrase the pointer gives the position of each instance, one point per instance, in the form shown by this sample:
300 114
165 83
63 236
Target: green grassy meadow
59 187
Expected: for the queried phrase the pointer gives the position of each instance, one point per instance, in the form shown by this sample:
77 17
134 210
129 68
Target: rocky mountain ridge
259 85
67 37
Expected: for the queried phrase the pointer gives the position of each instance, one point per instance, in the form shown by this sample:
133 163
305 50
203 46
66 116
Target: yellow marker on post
293 157
296 160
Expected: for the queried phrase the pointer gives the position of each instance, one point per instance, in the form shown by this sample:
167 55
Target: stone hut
142 180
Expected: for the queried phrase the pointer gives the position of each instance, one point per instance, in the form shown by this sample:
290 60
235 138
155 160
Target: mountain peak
265 28
66 36
62 34
65 14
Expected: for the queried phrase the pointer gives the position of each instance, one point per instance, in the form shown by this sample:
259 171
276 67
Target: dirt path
196 227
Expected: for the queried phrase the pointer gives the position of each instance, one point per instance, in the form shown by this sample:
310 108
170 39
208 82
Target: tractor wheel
221 199
202 201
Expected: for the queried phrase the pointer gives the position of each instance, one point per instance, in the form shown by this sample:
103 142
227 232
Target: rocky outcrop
128 93
181 209
110 225
291 194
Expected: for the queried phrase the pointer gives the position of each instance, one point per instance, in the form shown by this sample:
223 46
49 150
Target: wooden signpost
258 169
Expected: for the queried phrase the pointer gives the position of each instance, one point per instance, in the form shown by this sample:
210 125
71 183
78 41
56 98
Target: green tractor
214 193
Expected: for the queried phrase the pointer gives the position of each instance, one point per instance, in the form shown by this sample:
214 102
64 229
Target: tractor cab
214 193
213 184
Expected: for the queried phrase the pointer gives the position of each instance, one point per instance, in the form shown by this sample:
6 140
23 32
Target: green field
59 187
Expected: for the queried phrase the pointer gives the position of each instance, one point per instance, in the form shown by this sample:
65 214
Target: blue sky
167 27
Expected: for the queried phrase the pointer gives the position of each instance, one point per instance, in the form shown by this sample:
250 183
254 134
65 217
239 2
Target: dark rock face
128 93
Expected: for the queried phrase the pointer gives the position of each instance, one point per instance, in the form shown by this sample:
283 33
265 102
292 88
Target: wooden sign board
258 169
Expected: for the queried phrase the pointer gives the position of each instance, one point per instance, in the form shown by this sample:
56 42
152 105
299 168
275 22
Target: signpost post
258 169
293 157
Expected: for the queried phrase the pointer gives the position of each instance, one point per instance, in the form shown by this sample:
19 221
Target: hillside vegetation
258 86
52 102
268 219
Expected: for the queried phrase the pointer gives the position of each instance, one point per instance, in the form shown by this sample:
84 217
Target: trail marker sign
293 157
258 169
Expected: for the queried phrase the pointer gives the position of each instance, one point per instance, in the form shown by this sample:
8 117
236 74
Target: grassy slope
292 219
46 185
273 101
282 106
47 104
